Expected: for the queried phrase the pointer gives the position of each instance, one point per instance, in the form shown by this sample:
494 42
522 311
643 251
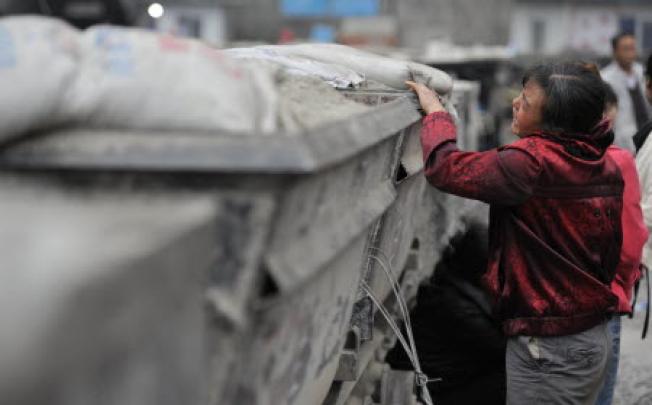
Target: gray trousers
563 370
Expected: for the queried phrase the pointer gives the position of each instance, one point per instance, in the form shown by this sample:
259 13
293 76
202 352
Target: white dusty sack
136 79
337 76
390 72
38 63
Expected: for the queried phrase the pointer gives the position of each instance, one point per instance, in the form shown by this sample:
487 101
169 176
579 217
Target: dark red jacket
555 223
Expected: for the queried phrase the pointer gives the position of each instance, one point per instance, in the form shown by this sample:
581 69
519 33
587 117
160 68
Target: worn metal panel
101 298
399 223
439 225
242 226
297 338
323 214
85 149
397 236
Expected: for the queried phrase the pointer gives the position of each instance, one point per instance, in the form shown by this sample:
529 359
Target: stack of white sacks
53 75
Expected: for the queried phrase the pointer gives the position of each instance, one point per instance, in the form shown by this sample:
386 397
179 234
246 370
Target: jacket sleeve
635 232
505 176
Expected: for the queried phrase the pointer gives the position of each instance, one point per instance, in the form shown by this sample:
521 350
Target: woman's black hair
648 70
575 97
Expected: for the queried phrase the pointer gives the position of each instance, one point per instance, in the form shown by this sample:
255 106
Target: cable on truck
408 344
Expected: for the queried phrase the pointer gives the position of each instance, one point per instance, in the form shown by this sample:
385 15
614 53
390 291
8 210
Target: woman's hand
429 100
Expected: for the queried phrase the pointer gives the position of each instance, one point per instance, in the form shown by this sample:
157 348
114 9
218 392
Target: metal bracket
348 367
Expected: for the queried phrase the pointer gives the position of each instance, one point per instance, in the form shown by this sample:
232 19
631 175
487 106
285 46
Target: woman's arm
505 176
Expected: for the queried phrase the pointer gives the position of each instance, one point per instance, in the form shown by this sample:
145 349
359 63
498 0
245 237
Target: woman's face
527 109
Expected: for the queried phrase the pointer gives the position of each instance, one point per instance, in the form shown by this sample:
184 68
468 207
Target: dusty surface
634 385
307 102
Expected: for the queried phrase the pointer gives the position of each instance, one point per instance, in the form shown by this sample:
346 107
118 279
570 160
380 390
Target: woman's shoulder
532 144
621 154
623 158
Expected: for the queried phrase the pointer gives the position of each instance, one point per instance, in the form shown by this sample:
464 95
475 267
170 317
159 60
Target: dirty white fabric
337 76
130 78
390 72
38 62
308 102
120 78
52 74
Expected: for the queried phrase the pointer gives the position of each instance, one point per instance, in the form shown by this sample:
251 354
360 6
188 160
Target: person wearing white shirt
625 76
644 167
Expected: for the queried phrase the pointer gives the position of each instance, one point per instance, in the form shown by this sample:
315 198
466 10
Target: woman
555 228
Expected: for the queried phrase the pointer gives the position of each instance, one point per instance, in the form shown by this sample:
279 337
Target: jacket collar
590 146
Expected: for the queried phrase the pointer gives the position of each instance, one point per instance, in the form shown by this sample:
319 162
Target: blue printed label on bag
118 52
7 49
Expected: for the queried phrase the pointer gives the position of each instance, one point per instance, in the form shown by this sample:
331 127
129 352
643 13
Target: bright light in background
155 10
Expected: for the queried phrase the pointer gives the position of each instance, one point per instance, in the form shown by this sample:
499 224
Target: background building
551 27
530 27
408 23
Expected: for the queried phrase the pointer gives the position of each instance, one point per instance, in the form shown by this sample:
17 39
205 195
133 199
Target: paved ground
635 374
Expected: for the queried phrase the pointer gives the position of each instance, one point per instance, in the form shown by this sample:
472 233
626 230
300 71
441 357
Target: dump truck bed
299 223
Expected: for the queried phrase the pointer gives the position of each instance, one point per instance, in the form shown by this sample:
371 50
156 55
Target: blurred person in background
459 343
644 164
635 235
555 241
625 76
641 136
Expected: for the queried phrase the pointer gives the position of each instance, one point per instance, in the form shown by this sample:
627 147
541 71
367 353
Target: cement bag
38 63
339 77
137 79
390 72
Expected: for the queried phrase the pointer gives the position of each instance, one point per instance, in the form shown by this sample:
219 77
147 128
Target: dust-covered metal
294 225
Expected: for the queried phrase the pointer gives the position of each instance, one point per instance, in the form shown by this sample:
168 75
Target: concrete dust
308 102
376 86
